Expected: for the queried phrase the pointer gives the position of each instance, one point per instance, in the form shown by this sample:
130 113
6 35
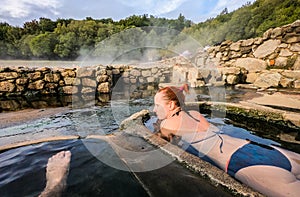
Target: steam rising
144 44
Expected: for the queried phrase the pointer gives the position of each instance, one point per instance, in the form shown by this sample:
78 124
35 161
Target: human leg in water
57 173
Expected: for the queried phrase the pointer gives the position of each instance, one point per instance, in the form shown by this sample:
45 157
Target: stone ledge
36 141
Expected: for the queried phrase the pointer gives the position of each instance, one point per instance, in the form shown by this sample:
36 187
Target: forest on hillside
249 21
68 39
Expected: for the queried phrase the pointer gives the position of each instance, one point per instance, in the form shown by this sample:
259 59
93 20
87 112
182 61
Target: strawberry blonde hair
172 93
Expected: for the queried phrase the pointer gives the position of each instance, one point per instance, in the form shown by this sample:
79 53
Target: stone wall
149 73
21 86
100 79
272 60
26 81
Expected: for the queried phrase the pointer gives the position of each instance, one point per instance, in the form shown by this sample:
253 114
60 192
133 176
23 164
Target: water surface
23 169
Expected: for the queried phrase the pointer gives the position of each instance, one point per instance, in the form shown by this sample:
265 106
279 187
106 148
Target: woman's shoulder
170 123
195 114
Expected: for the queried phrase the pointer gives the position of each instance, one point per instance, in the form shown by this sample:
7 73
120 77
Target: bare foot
57 172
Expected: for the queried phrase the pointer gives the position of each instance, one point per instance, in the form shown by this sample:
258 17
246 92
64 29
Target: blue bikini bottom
256 154
250 154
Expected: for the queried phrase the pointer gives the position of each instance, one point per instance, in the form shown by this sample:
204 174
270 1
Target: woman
268 169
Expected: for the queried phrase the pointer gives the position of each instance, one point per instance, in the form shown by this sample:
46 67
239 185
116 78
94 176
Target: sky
16 12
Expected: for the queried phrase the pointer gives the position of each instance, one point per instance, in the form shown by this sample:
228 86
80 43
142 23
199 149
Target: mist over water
140 45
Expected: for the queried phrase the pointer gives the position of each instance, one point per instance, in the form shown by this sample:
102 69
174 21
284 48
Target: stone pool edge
37 141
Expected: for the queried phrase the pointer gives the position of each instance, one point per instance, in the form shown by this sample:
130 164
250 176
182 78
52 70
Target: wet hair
175 94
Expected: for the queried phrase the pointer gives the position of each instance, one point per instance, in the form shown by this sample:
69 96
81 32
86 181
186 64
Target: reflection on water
127 92
39 102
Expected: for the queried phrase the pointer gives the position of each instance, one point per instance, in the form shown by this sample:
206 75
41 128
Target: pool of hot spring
22 170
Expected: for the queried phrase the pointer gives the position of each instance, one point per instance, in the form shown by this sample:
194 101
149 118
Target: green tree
61 28
106 30
135 21
3 39
24 46
251 20
13 35
67 46
43 45
236 27
31 27
46 24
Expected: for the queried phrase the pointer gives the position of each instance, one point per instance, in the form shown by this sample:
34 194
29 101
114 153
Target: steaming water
23 169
